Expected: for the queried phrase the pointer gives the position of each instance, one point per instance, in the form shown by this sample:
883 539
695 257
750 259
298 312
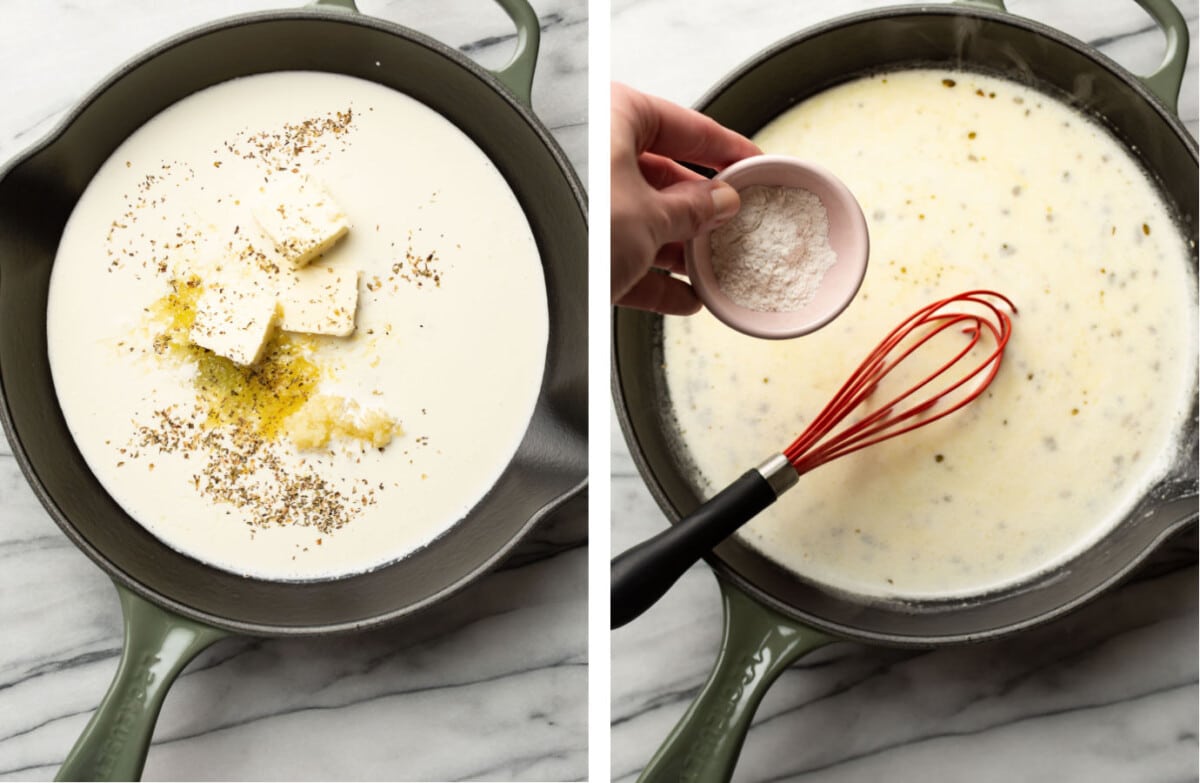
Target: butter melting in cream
402 439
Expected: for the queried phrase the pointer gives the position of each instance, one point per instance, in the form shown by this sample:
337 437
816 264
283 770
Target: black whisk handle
643 574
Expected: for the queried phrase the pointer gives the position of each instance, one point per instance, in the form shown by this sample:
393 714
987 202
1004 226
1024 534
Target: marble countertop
1106 694
490 685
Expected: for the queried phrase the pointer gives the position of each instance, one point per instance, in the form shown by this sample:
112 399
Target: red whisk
642 574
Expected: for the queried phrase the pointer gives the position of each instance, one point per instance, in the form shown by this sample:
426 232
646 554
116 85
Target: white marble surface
491 685
1107 694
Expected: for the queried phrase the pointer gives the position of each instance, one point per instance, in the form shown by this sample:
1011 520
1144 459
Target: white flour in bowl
772 255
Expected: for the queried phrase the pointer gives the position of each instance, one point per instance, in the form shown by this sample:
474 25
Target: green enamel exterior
758 644
158 644
1167 81
37 192
995 5
347 5
517 75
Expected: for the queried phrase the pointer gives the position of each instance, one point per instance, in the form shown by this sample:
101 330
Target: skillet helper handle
517 74
158 644
757 646
1167 79
643 574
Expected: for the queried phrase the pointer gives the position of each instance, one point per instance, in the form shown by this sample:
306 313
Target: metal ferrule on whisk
779 473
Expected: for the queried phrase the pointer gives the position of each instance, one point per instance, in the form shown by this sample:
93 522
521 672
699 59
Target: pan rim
301 14
1000 17
130 581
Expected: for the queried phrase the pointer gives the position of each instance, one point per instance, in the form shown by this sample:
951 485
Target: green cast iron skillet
771 616
175 606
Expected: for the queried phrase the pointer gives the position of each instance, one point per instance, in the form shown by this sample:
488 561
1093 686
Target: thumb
689 208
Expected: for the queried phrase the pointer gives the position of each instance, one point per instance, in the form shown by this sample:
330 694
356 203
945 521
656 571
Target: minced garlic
328 416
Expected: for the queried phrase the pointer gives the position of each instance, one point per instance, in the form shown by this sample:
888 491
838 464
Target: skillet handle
158 645
517 74
758 644
1167 79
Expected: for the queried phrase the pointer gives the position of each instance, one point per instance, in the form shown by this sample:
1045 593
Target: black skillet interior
820 58
37 196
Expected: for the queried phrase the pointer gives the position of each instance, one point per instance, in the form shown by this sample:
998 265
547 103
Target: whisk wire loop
822 441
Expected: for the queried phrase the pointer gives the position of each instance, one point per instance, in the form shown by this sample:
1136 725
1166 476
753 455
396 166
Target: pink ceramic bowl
847 236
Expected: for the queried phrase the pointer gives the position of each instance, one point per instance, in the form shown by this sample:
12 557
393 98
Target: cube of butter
235 319
301 218
320 300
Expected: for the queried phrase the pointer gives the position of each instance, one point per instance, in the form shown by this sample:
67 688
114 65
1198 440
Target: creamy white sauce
985 184
457 360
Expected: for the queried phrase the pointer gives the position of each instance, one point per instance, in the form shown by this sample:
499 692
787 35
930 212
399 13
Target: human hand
658 204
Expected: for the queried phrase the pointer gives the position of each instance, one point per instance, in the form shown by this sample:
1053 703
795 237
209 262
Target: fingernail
725 201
